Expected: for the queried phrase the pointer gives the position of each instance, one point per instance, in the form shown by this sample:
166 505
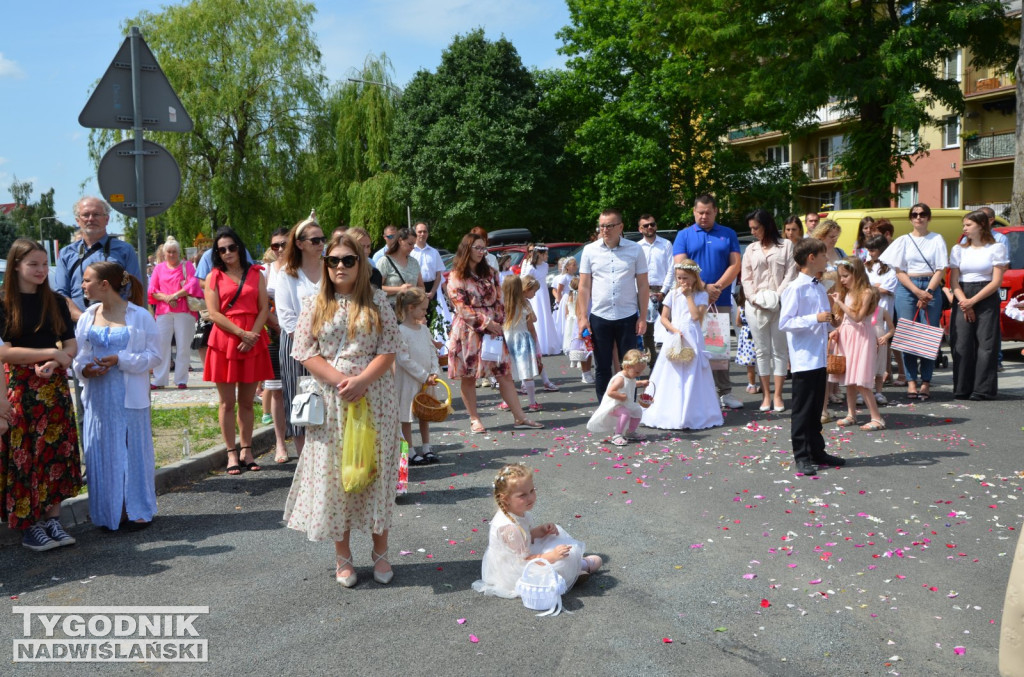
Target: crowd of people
325 318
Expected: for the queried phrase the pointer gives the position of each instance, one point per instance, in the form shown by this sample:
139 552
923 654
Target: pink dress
858 343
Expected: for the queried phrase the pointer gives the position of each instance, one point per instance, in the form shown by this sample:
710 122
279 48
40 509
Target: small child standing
746 354
854 299
572 332
520 337
530 288
513 540
618 410
806 317
689 398
416 365
885 328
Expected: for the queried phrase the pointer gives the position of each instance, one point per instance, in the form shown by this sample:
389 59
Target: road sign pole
140 158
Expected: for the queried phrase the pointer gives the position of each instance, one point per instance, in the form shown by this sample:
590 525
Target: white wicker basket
541 587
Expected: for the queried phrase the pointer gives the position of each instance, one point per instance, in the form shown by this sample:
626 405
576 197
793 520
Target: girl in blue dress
118 345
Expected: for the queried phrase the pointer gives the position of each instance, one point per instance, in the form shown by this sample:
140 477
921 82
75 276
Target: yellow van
948 223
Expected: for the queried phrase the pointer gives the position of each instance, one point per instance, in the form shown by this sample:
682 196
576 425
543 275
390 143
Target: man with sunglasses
658 252
92 216
390 233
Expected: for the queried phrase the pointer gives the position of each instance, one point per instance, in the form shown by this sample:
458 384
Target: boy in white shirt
806 317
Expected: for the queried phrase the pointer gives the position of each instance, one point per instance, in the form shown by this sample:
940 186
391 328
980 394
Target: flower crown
688 265
643 359
539 248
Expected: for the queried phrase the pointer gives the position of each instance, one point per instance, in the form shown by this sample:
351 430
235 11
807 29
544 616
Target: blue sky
53 53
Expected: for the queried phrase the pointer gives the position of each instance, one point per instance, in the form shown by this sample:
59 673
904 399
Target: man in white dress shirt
658 252
431 265
613 284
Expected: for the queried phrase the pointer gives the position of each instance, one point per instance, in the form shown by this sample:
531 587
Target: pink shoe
534 407
503 406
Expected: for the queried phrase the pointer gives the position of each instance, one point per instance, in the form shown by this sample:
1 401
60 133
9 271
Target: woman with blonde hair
346 336
172 283
299 276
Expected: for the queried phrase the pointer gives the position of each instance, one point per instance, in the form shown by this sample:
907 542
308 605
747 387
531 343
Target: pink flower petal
959 650
461 621
474 639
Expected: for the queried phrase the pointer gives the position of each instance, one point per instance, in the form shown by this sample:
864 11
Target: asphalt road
890 565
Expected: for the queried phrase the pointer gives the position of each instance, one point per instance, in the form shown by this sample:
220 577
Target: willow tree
352 157
249 75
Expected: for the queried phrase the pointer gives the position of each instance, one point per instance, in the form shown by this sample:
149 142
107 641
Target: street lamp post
46 218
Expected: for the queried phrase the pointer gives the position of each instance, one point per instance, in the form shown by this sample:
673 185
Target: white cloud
10 69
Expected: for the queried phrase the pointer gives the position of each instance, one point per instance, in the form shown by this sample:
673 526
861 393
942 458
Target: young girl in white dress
536 265
572 332
514 541
618 410
684 392
415 365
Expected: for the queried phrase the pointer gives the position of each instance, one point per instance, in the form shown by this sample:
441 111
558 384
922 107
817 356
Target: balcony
991 146
978 82
825 168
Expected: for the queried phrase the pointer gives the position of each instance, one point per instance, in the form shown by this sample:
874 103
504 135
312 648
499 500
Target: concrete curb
75 511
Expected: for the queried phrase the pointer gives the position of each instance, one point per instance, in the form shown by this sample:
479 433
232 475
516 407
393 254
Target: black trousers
608 333
808 400
976 346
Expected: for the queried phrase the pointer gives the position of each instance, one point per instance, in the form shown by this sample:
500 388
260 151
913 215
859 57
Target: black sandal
236 468
431 457
418 459
251 466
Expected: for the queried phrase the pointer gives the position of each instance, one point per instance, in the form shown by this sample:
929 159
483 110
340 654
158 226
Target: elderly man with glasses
613 287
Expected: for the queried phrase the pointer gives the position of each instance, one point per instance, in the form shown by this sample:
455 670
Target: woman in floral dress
476 294
346 337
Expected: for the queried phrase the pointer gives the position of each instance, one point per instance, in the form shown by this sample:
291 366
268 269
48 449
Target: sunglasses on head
229 248
348 261
276 245
315 240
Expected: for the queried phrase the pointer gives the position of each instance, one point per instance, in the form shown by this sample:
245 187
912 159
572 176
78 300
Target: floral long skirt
39 457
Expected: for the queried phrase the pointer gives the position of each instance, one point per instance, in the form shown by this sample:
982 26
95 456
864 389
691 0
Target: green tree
249 75
471 144
8 234
352 159
35 219
879 62
642 118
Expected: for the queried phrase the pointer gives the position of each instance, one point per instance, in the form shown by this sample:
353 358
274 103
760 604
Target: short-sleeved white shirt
659 261
430 262
929 254
976 263
613 289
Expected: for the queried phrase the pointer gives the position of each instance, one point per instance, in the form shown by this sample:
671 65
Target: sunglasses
315 240
276 245
649 225
347 261
230 248
918 215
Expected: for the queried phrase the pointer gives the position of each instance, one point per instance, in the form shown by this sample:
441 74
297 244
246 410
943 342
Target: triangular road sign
110 106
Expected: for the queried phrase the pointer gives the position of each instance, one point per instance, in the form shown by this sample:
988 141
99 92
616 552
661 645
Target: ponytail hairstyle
120 279
51 315
406 300
880 244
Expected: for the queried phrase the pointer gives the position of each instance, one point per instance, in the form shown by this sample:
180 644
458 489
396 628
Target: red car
1013 285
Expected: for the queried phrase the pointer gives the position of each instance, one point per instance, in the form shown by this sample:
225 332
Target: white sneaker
588 377
730 402
880 398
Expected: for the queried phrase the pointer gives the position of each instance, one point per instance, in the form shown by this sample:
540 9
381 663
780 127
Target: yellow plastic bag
358 449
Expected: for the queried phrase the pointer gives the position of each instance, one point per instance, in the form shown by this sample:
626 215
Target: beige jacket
773 269
1011 638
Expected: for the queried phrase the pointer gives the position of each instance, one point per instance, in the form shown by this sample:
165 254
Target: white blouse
925 258
289 291
976 263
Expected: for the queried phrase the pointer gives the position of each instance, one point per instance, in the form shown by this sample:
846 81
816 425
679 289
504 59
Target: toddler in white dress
415 365
618 411
513 540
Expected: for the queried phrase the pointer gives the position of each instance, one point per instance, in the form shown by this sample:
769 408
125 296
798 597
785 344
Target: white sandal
384 578
346 581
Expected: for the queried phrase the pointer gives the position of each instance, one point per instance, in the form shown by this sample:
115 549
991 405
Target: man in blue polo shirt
92 215
716 249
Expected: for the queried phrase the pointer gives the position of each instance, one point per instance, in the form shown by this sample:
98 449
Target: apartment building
963 162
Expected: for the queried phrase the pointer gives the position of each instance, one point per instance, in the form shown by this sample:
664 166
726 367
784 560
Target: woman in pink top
172 281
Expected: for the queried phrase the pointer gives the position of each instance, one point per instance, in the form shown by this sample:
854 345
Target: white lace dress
603 420
415 361
509 545
549 338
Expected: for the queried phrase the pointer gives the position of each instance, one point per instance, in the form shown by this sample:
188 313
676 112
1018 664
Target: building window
951 71
777 155
951 132
908 194
951 193
910 143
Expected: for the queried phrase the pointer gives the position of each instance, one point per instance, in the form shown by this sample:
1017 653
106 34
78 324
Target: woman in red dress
237 358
